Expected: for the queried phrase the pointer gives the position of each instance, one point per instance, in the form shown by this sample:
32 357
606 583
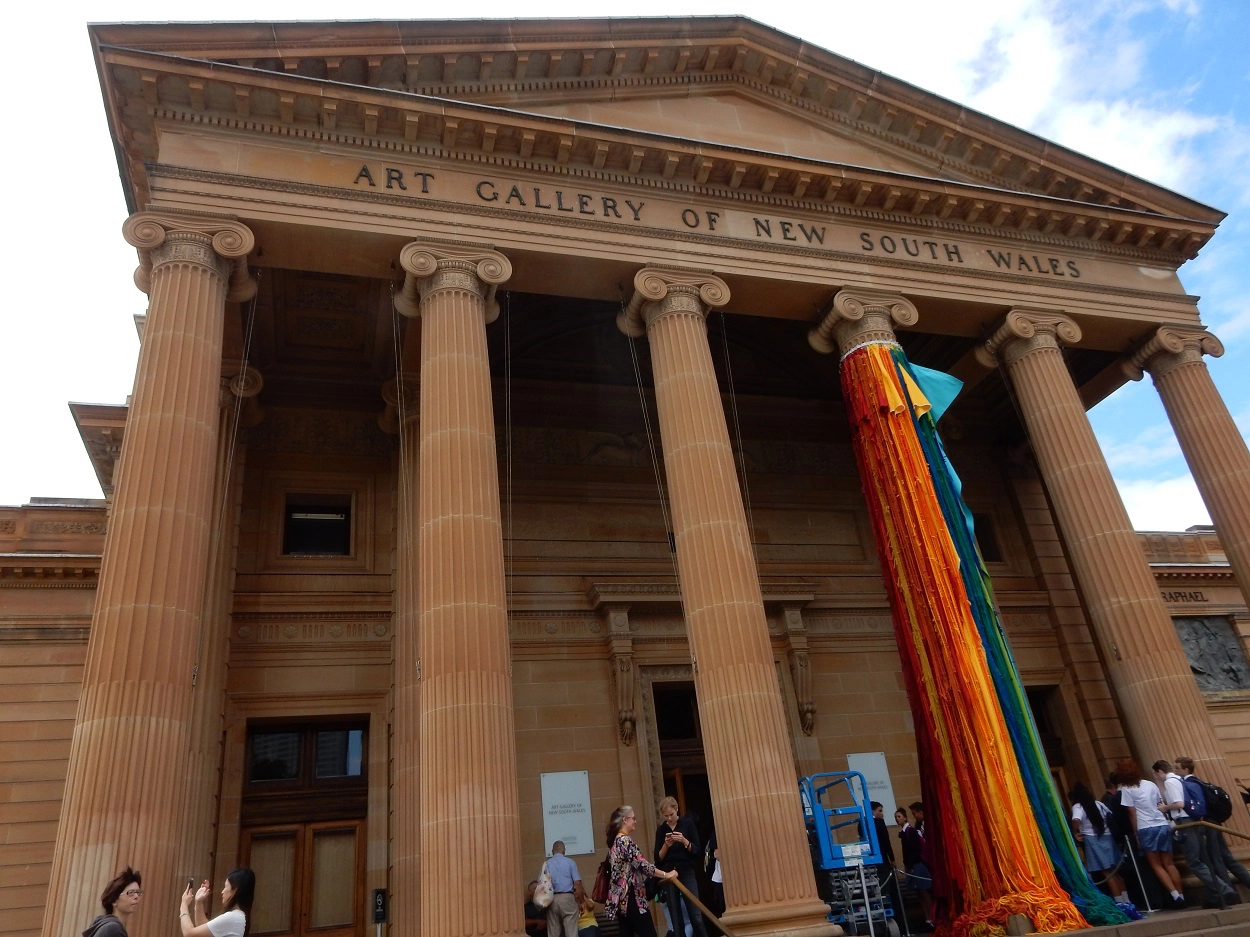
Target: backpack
1219 804
1195 798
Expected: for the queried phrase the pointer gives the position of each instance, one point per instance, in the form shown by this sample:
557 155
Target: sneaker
1178 903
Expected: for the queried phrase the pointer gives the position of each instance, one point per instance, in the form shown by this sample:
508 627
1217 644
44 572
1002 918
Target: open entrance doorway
305 800
684 770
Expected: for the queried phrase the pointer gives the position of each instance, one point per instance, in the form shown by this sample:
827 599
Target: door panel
273 855
333 858
308 878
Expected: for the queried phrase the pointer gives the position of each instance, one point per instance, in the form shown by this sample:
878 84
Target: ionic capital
241 389
216 243
858 316
402 399
662 290
1023 330
1170 347
430 266
248 382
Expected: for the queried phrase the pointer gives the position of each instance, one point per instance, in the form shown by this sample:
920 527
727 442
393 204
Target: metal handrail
702 907
1214 826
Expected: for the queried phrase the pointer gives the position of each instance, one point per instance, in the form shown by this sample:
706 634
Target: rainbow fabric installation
995 828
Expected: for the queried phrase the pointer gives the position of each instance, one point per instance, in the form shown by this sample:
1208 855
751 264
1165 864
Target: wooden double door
303 828
312 875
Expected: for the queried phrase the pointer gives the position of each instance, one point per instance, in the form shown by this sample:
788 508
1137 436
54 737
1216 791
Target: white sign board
872 766
566 812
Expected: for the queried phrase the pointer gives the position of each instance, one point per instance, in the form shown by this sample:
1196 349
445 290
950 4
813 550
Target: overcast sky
1155 87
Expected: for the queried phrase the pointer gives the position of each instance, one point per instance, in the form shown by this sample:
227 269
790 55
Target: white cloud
1170 504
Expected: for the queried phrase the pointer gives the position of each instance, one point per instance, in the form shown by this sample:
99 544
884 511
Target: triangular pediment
733 118
717 105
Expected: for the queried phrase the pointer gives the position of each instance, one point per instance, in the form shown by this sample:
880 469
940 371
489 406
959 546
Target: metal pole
1128 847
863 890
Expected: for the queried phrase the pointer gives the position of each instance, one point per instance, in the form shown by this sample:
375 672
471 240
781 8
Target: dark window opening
676 712
339 752
987 539
317 525
275 756
304 771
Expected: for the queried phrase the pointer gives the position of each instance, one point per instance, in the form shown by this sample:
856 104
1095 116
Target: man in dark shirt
535 917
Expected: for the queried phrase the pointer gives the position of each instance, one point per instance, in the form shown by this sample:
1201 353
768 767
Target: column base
800 919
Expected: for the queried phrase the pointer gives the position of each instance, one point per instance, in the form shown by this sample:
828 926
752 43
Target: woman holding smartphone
236 898
677 847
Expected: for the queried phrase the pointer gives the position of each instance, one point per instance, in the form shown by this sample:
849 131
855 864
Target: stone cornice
49 570
475 59
148 88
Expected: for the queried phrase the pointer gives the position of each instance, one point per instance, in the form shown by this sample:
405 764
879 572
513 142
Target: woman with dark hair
1154 833
120 899
236 898
1091 822
628 870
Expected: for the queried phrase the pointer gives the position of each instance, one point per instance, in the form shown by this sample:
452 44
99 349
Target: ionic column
1162 706
208 695
127 772
1210 440
769 887
470 853
402 400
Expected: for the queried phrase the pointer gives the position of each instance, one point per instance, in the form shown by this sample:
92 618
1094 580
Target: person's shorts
1101 852
1155 838
919 877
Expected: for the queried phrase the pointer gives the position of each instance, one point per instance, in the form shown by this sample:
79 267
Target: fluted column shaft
208 696
769 886
405 746
127 765
1162 706
470 829
1213 446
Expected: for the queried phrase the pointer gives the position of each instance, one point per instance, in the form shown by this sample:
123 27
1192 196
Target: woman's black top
678 856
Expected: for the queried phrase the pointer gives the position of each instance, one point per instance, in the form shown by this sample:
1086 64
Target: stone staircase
1231 922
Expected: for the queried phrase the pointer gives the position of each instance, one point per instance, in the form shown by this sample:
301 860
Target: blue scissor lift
843 838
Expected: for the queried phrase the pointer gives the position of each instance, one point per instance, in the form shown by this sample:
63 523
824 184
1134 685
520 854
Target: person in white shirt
236 897
1190 838
1154 833
1090 823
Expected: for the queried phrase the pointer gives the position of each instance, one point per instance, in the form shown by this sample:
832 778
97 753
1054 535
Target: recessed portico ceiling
586 95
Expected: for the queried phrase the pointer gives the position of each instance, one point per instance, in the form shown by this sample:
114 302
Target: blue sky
1160 88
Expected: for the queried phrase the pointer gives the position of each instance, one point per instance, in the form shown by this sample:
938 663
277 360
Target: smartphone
190 883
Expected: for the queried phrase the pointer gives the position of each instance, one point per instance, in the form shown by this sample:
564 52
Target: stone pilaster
208 696
402 400
127 771
1163 709
470 831
1210 440
769 887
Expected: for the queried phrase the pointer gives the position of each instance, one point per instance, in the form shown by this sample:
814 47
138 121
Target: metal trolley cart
843 840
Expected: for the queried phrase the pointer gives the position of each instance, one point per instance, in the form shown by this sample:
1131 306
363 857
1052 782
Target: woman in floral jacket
627 876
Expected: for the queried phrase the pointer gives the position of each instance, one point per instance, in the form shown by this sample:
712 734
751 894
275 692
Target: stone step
1231 922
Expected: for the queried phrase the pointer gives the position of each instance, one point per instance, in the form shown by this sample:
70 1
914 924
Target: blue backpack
1195 798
